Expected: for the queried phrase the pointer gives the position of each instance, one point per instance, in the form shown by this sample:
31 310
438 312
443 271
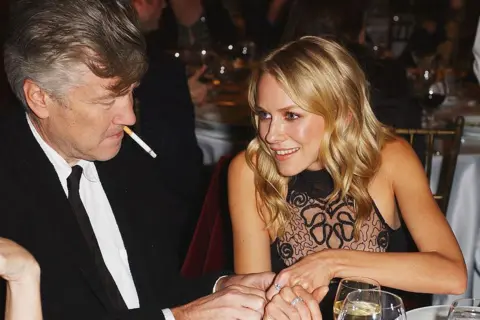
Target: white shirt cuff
216 283
168 314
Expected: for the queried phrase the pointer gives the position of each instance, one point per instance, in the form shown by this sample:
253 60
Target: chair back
446 141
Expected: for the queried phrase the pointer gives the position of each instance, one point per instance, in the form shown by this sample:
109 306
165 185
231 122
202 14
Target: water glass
464 309
372 305
348 285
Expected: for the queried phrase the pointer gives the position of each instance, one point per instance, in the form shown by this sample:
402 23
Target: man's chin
107 154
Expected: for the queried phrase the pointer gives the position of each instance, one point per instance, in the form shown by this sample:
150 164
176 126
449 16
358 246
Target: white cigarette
139 141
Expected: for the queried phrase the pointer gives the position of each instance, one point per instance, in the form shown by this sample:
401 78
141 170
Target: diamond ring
296 300
277 287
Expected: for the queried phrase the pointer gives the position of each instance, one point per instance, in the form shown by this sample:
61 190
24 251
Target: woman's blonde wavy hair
320 77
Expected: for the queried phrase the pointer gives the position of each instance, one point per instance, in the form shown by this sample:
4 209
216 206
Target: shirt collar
61 166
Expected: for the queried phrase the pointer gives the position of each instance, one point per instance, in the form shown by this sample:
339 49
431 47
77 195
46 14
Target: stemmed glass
431 91
372 305
432 98
348 285
464 309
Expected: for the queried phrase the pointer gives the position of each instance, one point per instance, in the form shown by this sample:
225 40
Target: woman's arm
23 299
22 273
438 267
251 240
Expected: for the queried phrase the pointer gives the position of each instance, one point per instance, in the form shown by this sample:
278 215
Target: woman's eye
262 115
291 116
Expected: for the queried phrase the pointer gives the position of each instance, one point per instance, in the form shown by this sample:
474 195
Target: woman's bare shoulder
397 150
398 155
239 166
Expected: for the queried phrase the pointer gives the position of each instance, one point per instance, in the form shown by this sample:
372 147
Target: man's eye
107 103
291 116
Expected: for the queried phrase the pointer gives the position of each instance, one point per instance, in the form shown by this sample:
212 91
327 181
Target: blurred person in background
166 117
195 24
343 21
265 21
429 32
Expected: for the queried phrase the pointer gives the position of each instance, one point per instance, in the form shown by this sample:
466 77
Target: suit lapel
47 193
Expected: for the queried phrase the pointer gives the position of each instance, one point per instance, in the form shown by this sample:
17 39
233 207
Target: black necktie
73 184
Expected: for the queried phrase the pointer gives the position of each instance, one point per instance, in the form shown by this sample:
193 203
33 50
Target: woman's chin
288 170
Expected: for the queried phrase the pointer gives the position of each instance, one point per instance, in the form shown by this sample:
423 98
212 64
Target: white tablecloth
222 130
217 143
463 214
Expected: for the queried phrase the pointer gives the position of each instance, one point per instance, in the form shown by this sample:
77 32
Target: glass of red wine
431 99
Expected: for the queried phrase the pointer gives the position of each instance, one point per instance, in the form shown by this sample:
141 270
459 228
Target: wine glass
348 285
372 305
431 99
464 309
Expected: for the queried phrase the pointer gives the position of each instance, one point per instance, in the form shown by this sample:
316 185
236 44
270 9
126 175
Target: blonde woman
323 181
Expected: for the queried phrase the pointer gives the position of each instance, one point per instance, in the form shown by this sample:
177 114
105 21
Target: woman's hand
198 90
16 263
312 272
296 304
22 273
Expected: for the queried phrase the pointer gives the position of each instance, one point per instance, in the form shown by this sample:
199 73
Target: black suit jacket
35 212
167 123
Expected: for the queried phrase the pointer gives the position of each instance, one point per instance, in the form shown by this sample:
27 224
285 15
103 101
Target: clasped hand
244 297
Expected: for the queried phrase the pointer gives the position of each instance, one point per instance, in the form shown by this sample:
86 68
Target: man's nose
126 115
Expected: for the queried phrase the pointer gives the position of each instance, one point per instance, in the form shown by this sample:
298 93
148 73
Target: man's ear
37 99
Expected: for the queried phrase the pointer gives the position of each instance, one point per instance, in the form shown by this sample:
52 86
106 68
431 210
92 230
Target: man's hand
198 90
261 281
296 304
17 264
233 302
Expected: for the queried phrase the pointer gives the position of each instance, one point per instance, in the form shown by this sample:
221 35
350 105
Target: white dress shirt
101 217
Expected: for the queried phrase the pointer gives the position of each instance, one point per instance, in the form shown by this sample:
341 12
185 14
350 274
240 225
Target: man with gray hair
82 200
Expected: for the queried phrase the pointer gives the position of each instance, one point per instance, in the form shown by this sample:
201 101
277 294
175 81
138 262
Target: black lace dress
317 225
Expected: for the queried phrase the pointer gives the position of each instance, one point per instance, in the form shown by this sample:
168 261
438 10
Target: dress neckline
314 175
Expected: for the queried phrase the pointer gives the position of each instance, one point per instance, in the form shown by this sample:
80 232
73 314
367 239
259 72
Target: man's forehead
95 87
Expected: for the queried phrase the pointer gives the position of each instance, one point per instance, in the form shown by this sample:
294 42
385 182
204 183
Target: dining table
223 124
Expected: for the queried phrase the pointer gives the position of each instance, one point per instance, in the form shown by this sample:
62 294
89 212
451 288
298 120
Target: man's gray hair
48 42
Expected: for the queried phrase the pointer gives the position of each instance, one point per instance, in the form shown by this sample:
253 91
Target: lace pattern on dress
318 225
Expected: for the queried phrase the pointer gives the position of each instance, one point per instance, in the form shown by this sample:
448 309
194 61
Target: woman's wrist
23 299
331 262
29 276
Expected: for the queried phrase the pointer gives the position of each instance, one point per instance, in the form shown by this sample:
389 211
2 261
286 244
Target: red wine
433 100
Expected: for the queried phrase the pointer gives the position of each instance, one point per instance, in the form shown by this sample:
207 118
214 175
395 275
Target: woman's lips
284 154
